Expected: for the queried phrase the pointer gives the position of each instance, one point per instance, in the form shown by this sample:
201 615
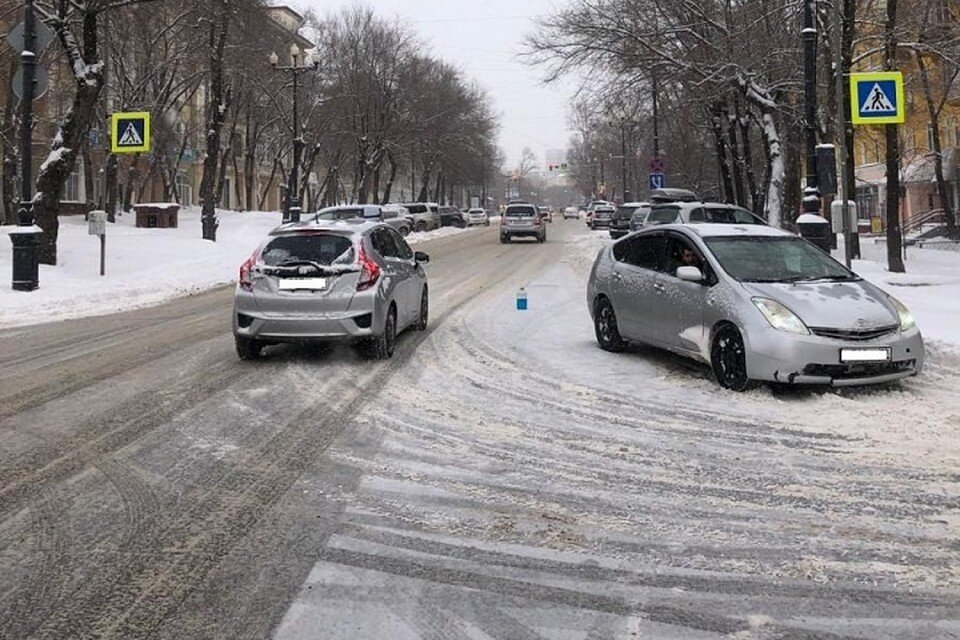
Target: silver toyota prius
327 281
753 302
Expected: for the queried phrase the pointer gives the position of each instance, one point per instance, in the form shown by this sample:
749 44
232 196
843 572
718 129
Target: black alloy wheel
728 358
606 329
382 346
424 317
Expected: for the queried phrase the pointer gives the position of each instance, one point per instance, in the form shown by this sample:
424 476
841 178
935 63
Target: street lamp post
811 195
26 237
299 63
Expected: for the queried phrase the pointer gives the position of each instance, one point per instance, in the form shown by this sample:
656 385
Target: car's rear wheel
381 347
728 357
605 327
421 226
249 348
404 231
424 317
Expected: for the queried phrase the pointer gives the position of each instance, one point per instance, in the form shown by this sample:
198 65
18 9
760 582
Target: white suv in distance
477 216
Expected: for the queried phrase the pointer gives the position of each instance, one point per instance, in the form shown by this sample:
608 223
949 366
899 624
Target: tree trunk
133 175
394 166
70 135
934 114
266 189
894 239
846 63
720 144
214 120
110 180
88 174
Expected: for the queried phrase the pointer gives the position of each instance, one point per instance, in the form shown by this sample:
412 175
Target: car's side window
644 251
403 249
383 243
697 215
742 216
683 253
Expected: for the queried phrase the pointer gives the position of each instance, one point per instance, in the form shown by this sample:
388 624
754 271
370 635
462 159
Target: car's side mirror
420 256
690 274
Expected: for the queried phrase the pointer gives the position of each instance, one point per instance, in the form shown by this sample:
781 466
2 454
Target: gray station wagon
327 281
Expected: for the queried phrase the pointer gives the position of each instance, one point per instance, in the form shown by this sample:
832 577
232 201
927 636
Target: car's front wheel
504 239
728 358
605 327
248 348
424 316
421 227
404 231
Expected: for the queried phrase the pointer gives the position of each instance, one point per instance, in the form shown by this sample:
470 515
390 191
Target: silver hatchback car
326 281
755 303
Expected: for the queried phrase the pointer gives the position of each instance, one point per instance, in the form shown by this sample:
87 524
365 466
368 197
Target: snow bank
144 267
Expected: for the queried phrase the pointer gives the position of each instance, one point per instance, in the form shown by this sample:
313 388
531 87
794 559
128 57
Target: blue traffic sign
658 181
877 98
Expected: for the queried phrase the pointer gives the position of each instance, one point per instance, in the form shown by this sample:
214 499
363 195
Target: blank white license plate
864 355
301 284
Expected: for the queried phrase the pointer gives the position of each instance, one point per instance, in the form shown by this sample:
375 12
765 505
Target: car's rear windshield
662 215
325 249
771 259
724 215
624 213
339 214
520 211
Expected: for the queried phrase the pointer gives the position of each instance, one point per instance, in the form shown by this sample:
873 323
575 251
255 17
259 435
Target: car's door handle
658 288
617 276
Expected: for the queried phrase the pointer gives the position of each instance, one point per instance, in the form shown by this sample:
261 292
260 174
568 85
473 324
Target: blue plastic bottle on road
522 299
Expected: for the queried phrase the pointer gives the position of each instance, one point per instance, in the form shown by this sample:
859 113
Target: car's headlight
780 317
907 321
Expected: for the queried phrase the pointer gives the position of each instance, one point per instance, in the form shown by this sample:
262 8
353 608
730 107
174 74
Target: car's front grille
858 370
853 334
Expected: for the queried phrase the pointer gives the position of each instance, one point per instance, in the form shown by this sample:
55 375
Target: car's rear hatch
520 217
306 273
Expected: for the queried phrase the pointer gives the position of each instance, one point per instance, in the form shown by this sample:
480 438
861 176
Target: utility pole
843 107
26 237
811 195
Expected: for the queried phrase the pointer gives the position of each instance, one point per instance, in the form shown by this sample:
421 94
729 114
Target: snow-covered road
501 477
517 482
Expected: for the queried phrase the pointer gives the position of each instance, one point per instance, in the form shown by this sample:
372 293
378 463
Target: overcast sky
483 37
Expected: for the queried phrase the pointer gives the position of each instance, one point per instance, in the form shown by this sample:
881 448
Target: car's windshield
775 259
324 249
520 211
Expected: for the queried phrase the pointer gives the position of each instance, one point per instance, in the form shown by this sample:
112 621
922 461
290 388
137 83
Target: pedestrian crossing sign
877 98
130 132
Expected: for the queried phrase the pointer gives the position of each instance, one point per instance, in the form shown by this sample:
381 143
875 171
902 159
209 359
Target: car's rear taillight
536 221
245 282
369 270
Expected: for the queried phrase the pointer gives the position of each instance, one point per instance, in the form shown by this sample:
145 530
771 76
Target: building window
71 188
184 191
867 205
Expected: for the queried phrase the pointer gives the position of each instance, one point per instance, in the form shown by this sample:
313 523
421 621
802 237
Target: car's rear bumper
362 319
781 357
